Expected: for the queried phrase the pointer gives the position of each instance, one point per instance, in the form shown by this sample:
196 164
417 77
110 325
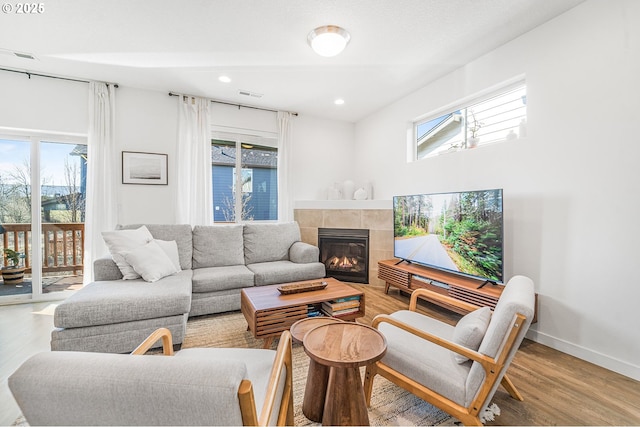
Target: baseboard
607 362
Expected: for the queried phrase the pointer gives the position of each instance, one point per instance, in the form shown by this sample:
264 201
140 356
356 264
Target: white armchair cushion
470 331
421 360
120 242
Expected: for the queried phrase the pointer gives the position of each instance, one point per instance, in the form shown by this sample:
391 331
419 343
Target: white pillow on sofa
170 247
151 261
120 242
470 330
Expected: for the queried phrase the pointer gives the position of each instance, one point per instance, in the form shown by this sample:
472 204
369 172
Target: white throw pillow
170 247
151 262
470 331
121 241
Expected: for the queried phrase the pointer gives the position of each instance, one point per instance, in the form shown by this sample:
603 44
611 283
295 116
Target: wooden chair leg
370 373
508 385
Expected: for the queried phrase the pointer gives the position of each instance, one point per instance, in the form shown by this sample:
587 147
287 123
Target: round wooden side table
344 347
318 375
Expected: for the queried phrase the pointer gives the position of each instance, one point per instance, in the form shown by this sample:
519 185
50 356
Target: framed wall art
144 168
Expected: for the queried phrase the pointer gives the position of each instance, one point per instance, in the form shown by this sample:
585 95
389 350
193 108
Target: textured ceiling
397 46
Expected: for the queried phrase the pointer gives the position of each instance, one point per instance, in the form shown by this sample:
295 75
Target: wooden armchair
426 357
281 370
200 386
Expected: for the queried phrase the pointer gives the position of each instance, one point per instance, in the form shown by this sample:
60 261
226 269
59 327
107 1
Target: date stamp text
23 8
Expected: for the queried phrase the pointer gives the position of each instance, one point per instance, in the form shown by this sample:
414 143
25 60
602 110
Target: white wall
146 121
43 104
323 154
570 187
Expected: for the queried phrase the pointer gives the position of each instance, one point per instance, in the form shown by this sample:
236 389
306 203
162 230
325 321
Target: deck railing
62 243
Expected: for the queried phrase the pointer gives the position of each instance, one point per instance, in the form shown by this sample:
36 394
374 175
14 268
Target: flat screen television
461 232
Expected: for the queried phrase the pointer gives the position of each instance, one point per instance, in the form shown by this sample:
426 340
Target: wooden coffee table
344 347
268 312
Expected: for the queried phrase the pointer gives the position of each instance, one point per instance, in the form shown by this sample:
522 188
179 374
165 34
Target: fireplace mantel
342 204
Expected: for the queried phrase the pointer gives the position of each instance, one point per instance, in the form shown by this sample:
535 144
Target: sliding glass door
42 193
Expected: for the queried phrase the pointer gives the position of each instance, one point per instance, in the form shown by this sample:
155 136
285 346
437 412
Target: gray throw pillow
470 331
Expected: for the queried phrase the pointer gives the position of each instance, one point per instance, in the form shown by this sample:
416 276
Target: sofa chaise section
116 315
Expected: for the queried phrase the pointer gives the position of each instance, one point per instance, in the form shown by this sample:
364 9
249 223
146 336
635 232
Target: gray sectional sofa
114 315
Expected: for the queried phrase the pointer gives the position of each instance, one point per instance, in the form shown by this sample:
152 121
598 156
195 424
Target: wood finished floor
558 389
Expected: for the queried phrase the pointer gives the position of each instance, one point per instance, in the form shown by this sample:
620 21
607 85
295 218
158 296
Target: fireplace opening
345 253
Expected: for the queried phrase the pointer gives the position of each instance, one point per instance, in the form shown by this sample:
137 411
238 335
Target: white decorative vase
348 188
360 194
335 192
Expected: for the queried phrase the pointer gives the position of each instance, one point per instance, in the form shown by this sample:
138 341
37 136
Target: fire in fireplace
345 253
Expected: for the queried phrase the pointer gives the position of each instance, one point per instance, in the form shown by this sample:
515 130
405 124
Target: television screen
460 232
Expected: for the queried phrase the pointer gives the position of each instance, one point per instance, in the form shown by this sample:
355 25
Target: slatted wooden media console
409 277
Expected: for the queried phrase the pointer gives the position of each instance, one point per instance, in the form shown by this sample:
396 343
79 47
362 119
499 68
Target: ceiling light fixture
224 79
328 40
339 101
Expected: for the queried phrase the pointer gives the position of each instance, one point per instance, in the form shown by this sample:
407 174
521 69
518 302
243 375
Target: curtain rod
29 74
234 105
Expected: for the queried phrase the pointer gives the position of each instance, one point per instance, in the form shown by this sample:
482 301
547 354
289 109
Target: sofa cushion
151 262
470 330
120 242
270 273
217 245
220 278
104 303
181 233
264 242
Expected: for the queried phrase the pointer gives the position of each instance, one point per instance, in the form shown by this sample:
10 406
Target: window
43 192
258 177
496 118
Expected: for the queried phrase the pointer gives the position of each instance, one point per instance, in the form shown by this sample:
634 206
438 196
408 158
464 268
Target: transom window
499 117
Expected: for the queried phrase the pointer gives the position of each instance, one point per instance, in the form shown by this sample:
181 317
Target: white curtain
102 160
285 195
193 163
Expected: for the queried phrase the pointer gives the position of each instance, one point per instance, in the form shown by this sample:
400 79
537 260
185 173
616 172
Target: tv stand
409 277
487 282
403 260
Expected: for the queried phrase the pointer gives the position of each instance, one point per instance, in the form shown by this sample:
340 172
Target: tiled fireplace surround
374 215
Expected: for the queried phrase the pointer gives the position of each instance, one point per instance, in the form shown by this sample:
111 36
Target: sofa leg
177 347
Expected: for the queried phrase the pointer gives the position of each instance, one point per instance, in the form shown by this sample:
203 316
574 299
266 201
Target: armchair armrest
434 296
161 333
303 253
282 365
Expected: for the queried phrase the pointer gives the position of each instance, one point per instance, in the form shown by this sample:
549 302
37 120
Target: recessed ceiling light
339 101
328 40
224 79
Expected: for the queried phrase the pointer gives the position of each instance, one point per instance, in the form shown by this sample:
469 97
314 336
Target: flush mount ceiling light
328 40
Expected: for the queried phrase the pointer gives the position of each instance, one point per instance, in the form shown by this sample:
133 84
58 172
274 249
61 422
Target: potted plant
13 274
474 127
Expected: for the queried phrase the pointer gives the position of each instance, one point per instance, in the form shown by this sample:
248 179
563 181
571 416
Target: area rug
390 405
